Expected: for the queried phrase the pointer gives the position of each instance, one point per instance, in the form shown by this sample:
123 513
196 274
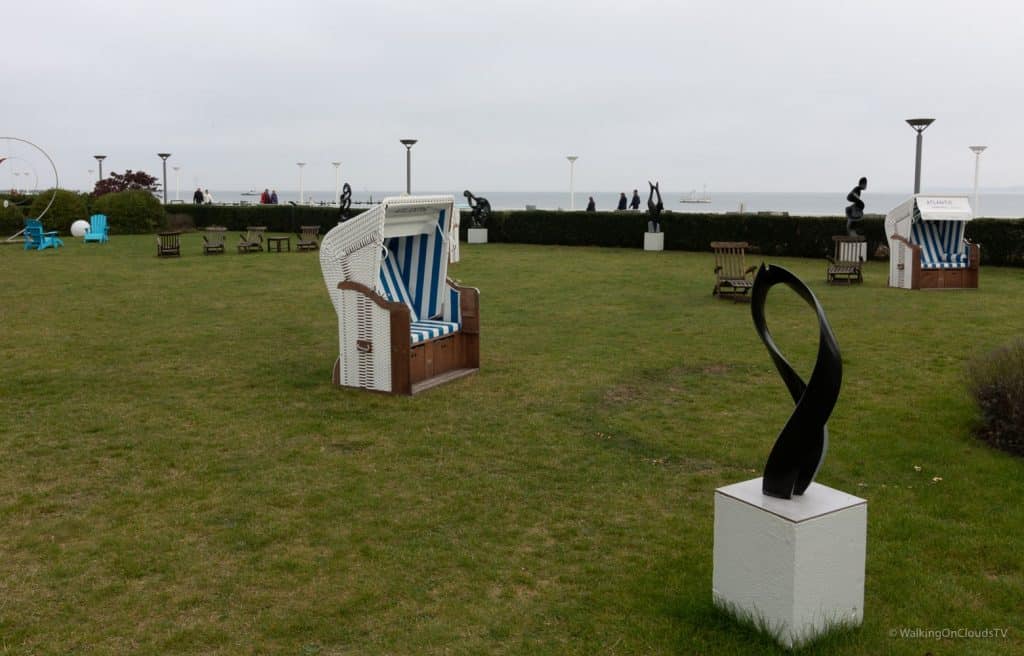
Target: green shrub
132 211
277 218
12 218
997 383
68 207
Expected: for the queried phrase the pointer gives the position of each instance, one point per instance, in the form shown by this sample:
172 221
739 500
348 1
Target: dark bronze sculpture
344 202
800 448
654 209
481 209
855 211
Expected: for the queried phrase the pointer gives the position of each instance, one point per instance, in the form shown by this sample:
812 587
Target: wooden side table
275 243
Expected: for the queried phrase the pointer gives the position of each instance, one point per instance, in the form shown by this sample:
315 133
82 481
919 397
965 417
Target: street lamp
300 165
177 183
408 143
572 170
919 124
337 180
99 159
164 157
977 150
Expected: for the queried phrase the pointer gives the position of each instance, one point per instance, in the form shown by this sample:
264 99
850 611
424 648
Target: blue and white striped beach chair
403 325
928 248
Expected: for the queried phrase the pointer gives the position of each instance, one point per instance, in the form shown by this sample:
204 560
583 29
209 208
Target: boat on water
251 192
693 198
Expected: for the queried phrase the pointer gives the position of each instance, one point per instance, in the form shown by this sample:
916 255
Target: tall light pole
919 125
408 143
164 157
337 180
300 165
177 183
99 159
572 190
977 150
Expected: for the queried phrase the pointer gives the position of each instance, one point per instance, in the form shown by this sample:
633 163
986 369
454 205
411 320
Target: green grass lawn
179 476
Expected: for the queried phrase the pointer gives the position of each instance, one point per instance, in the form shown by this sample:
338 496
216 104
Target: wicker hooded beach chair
403 326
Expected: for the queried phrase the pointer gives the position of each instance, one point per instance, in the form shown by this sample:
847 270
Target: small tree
126 181
68 207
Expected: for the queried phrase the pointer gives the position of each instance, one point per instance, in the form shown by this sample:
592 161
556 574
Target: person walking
591 206
197 197
635 203
273 197
207 197
622 201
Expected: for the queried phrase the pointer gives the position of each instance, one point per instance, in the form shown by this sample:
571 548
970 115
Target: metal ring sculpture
344 203
801 445
56 180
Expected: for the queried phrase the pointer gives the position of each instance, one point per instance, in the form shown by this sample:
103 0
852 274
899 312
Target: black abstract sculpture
800 448
855 211
654 209
344 203
481 209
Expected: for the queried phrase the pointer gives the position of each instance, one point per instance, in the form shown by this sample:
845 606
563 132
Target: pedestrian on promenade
207 197
591 206
265 197
197 197
635 203
622 201
273 197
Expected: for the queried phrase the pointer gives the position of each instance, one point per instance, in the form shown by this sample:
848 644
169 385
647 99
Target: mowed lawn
179 476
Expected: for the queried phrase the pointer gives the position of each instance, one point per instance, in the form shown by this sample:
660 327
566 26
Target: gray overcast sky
752 96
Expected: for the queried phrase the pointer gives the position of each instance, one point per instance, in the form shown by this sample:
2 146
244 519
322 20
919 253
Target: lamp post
300 165
572 170
99 159
977 150
177 183
919 125
337 180
408 143
164 157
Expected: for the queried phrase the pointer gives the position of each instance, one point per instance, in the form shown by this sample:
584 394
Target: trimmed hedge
68 207
277 218
1002 241
131 211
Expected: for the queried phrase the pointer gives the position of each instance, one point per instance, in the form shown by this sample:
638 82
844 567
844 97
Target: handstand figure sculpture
654 209
481 209
855 211
344 202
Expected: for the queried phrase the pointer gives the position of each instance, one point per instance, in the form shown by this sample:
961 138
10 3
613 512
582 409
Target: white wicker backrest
352 251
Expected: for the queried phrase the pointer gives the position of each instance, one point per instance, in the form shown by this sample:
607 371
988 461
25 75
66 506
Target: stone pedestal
794 566
654 241
477 236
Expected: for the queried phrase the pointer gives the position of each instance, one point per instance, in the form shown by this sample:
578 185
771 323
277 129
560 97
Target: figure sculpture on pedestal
344 202
855 211
800 448
481 209
654 209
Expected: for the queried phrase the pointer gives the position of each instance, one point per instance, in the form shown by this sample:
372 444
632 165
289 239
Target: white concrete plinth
654 241
795 566
477 236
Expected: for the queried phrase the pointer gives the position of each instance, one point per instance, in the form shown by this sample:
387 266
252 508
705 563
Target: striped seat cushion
426 330
942 244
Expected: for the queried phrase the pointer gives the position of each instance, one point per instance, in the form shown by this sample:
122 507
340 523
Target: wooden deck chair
214 239
252 240
733 278
309 238
36 239
98 230
403 326
167 244
845 265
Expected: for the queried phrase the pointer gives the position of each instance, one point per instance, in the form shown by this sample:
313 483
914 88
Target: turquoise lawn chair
97 229
36 239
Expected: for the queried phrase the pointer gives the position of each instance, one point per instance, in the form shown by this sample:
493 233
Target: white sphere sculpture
79 228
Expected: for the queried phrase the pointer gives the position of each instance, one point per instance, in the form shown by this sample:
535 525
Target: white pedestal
795 566
477 236
654 241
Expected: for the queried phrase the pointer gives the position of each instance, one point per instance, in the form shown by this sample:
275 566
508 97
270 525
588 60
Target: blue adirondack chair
97 228
36 239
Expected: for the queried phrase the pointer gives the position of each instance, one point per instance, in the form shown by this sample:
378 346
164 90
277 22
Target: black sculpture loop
800 448
481 209
344 203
